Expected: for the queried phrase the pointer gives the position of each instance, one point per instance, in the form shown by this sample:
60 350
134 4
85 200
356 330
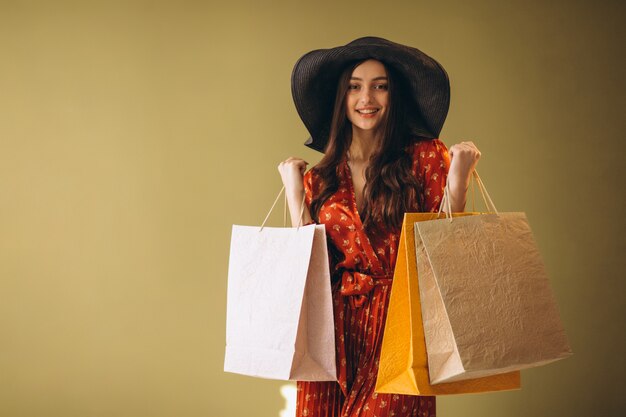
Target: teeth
368 111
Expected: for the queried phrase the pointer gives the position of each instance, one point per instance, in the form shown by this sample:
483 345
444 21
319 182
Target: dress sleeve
308 191
308 187
431 161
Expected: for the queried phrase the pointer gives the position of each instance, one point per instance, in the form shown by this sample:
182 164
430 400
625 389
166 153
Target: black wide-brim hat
315 76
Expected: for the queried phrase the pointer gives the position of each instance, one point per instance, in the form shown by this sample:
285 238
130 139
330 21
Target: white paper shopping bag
279 314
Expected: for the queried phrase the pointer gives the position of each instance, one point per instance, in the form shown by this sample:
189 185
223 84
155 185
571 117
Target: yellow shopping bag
403 367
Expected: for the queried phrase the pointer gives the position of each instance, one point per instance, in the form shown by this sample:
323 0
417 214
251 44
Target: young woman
375 108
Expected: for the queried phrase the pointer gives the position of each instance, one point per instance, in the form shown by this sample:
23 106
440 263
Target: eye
381 87
353 87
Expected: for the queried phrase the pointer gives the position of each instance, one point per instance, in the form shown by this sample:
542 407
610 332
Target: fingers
294 160
465 149
292 164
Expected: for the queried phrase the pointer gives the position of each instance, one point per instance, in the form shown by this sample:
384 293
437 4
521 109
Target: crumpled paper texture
279 321
403 364
487 305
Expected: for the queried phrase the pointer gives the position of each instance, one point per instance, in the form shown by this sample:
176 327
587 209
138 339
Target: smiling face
367 99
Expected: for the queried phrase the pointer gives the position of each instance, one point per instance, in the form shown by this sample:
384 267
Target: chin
367 128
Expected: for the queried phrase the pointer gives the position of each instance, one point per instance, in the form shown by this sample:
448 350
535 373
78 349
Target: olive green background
134 134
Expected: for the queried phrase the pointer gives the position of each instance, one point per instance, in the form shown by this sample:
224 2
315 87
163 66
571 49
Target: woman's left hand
464 158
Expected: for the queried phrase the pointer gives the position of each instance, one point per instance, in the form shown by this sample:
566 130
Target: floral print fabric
362 270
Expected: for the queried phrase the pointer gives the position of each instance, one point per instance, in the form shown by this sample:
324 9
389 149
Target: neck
362 145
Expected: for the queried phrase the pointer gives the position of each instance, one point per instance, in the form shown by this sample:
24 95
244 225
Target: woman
375 108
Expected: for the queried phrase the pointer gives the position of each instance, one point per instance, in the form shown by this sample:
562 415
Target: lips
367 111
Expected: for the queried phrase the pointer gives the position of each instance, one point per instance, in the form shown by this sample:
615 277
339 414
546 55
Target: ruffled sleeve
431 162
308 187
308 191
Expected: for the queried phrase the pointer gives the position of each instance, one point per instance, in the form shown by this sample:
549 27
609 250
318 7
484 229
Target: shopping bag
279 321
403 365
487 306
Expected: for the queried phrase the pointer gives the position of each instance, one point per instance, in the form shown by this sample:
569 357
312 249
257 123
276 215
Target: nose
366 95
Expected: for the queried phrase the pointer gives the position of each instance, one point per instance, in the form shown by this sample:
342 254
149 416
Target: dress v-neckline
352 191
366 245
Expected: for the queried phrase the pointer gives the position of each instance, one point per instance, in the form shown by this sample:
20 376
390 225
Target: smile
367 111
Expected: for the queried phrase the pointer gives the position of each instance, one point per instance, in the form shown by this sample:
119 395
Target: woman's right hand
292 172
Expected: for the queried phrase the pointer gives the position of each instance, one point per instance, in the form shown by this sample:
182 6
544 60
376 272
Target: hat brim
315 76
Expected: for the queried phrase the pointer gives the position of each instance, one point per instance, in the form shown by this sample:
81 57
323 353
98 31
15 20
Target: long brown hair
391 189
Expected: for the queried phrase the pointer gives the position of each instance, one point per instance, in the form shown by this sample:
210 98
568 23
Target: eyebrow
373 79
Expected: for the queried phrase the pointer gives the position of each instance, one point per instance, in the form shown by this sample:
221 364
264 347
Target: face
368 96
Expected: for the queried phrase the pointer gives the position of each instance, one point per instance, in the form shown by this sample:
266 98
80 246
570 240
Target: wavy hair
391 189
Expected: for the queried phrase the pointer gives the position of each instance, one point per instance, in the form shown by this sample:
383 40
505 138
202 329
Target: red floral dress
362 275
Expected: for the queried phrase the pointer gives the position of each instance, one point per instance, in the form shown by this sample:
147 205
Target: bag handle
491 207
483 191
284 210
